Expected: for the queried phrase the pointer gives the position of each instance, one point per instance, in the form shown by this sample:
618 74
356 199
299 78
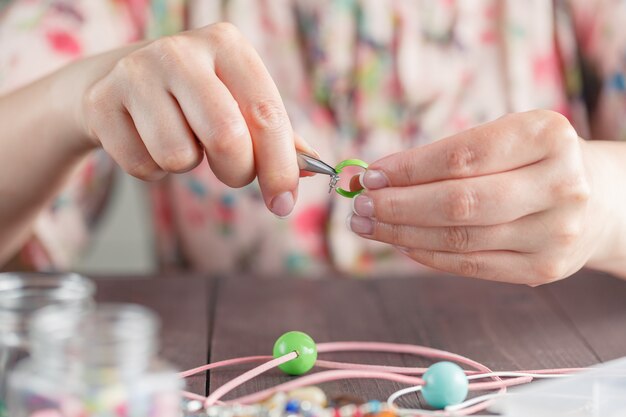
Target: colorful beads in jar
99 363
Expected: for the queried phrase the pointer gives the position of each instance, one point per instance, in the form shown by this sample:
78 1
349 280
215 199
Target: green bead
300 343
445 383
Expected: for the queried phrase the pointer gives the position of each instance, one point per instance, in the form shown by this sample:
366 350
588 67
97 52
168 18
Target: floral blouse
360 78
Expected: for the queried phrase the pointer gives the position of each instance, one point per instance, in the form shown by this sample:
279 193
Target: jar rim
24 291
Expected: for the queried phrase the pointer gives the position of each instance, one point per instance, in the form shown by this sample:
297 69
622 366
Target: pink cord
247 376
228 362
326 376
342 370
376 368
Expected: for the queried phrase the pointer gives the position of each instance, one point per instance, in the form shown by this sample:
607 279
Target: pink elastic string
228 362
398 348
484 386
414 350
375 368
246 376
342 370
420 371
554 371
325 376
193 396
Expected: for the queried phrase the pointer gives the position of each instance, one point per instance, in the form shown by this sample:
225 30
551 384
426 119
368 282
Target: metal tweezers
311 164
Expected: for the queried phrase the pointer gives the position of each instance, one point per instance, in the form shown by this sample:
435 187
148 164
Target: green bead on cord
445 383
303 345
349 163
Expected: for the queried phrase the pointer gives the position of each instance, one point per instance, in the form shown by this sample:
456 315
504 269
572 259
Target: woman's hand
161 106
512 200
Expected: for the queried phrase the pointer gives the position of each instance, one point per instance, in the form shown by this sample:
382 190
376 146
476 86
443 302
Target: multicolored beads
291 404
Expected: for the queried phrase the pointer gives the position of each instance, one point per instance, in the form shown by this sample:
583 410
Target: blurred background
123 240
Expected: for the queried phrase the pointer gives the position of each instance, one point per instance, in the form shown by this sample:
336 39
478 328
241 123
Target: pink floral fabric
359 78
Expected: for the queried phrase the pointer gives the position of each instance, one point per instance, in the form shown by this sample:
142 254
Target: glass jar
98 363
21 295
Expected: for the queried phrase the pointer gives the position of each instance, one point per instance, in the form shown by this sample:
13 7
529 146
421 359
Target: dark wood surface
577 322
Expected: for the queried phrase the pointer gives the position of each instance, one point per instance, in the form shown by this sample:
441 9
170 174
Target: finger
480 201
510 142
216 120
502 266
459 239
243 72
115 130
163 128
121 140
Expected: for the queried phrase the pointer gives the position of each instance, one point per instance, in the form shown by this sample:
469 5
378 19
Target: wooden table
576 322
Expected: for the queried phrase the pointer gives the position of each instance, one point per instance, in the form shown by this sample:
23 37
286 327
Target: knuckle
130 66
171 49
456 238
460 204
469 266
268 115
181 160
94 96
560 125
223 34
549 270
573 187
556 128
568 232
460 161
224 146
226 137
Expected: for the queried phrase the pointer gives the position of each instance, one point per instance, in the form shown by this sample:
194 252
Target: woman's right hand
164 104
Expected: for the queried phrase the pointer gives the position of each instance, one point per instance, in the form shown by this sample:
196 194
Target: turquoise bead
445 383
300 343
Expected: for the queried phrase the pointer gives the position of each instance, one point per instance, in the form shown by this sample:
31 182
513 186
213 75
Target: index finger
510 142
242 71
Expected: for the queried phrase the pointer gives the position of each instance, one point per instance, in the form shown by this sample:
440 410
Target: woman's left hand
511 200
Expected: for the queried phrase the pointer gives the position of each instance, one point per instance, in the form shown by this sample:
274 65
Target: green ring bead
445 383
303 345
349 163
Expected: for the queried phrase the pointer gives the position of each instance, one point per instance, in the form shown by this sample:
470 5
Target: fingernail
361 179
374 180
314 153
360 225
363 206
307 148
282 204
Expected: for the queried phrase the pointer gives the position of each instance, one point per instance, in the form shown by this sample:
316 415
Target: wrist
65 91
606 164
